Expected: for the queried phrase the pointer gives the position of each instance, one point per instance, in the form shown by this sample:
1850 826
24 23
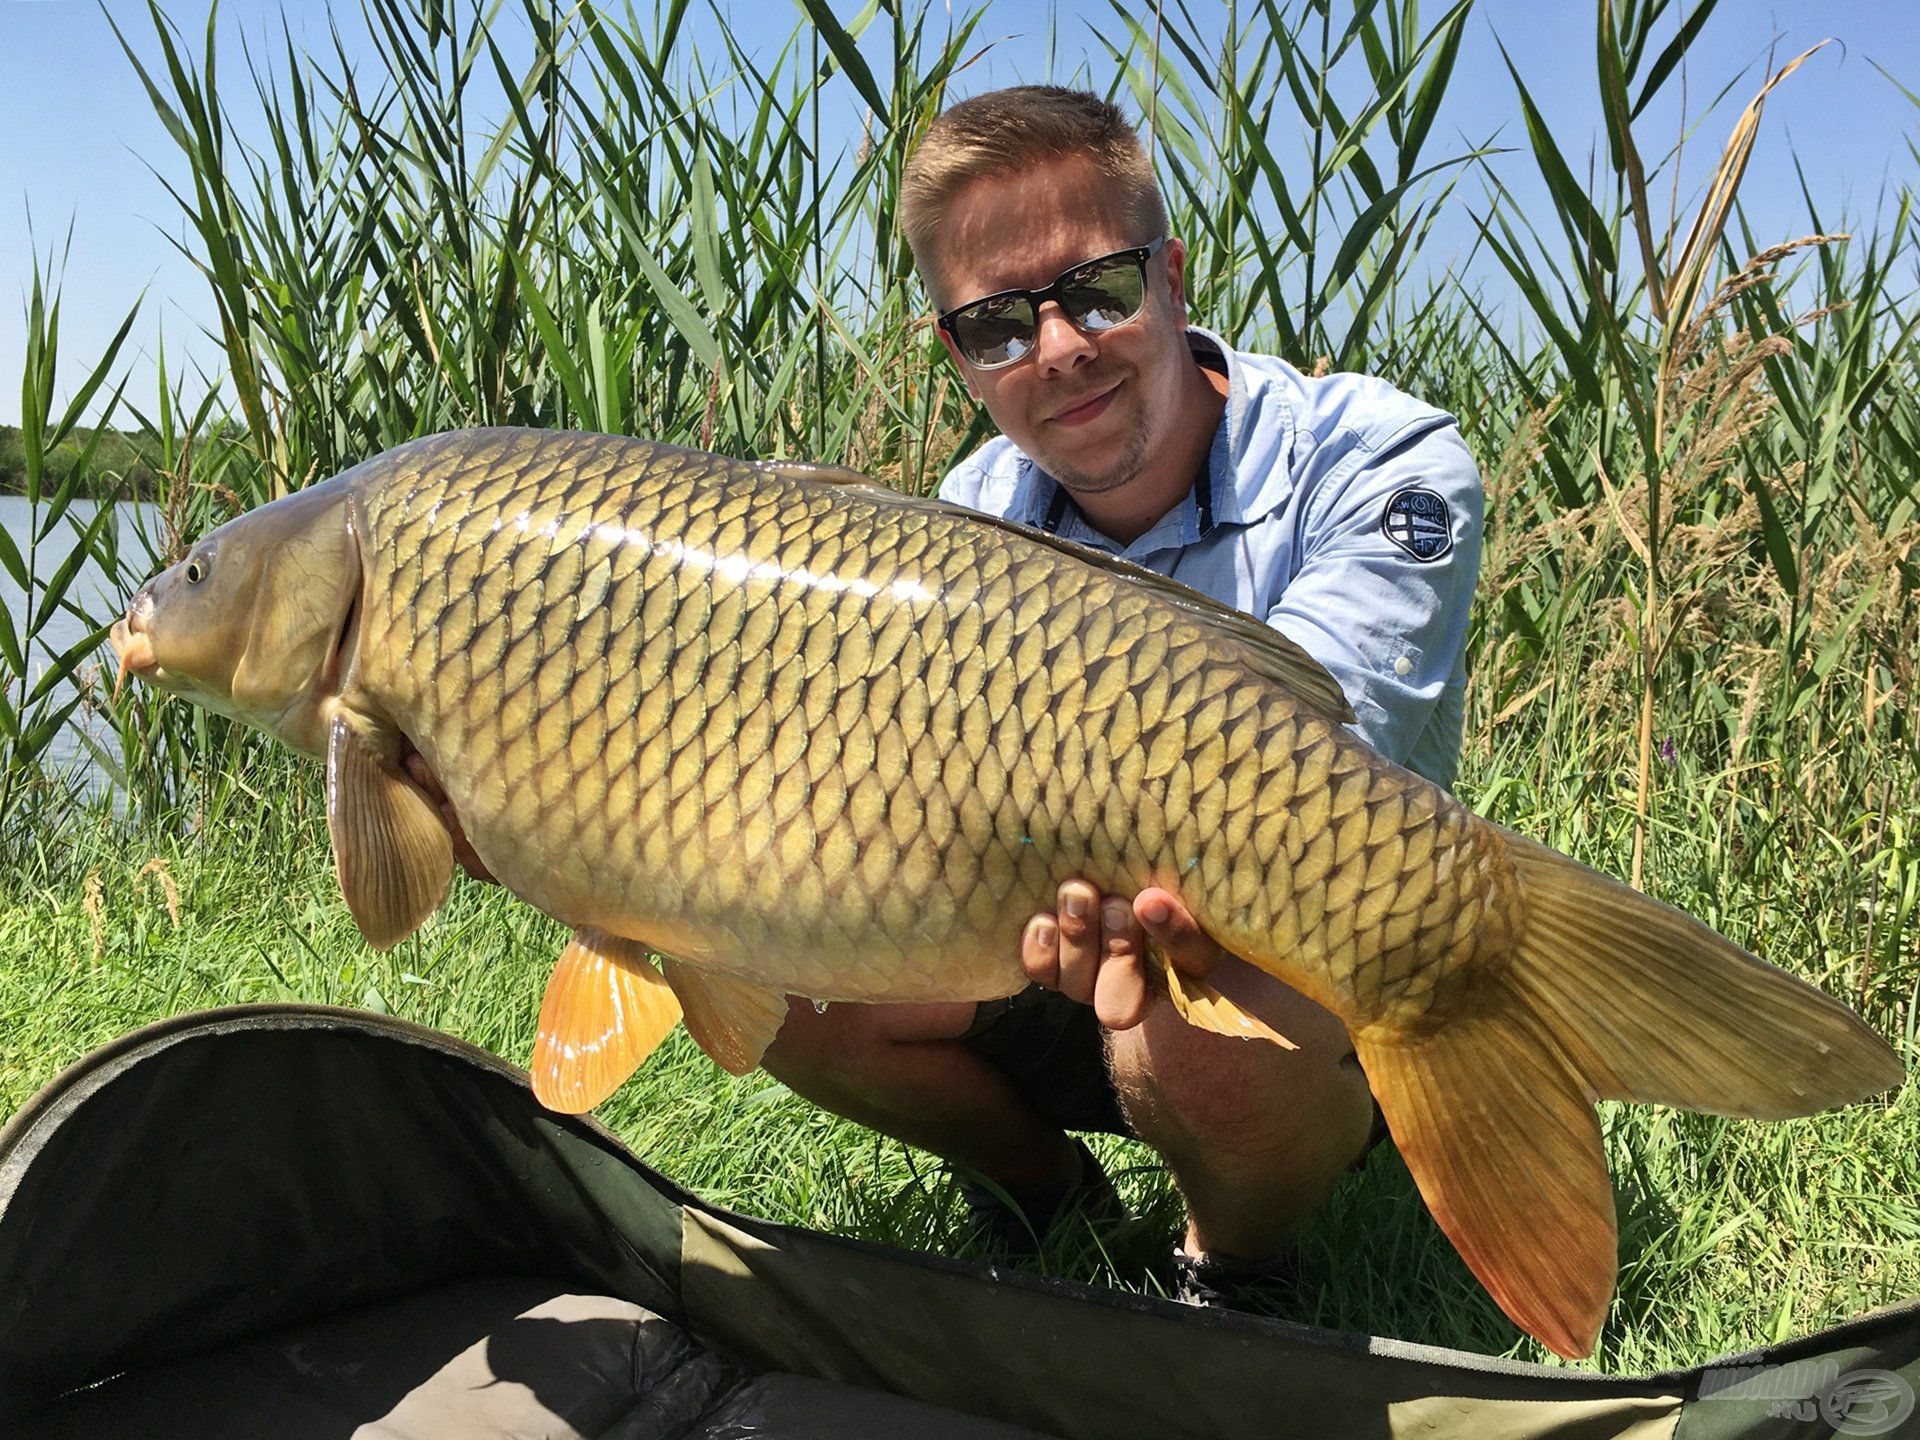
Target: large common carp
808 736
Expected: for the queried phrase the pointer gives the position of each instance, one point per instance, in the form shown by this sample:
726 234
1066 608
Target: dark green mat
194 1214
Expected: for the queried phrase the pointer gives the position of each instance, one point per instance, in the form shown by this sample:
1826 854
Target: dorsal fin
821 474
1264 650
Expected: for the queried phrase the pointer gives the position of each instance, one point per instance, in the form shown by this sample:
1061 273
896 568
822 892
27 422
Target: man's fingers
1120 995
1079 924
463 850
1178 933
1040 951
424 777
1094 949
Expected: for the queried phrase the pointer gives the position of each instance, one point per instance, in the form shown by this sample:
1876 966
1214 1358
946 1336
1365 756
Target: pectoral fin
1205 1008
733 1021
605 1011
391 851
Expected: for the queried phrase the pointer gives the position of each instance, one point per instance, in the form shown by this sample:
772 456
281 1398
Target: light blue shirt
1343 512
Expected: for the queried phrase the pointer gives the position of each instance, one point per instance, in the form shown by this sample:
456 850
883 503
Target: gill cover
254 621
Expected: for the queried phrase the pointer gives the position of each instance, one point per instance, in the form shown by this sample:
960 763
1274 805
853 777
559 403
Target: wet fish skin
674 696
817 738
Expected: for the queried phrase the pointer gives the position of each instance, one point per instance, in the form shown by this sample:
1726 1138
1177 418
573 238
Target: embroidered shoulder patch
1418 521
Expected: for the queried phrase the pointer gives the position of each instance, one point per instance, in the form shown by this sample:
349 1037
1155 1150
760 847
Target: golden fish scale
845 747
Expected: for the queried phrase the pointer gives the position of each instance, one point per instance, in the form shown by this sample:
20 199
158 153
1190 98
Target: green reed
37 697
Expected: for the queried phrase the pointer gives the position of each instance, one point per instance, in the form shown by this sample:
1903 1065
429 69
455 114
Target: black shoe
1227 1282
1011 1221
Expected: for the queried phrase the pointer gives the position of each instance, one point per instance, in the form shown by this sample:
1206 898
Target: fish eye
196 570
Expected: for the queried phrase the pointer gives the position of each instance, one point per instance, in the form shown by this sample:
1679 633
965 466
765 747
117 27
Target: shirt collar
1214 501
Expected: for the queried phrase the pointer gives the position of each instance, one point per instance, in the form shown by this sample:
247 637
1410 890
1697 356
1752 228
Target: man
1336 509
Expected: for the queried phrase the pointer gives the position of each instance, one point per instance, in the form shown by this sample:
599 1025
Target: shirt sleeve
1389 559
983 480
961 485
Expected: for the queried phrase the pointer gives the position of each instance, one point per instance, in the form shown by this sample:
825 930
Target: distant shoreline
119 471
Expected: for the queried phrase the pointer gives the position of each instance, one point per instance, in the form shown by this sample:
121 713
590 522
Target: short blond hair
1004 131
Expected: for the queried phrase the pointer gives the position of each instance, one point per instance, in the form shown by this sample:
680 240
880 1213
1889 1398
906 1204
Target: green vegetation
117 463
1693 652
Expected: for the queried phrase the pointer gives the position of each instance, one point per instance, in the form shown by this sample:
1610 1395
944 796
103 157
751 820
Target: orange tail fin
1505 1148
1610 995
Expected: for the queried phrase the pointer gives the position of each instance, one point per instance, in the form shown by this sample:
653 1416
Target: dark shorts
1055 1052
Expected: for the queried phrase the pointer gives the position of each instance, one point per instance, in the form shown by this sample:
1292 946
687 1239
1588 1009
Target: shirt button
1403 666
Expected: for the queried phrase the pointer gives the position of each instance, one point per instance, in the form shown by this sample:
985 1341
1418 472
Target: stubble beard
1124 470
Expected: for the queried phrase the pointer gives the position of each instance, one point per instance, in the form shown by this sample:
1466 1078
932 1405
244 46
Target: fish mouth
134 650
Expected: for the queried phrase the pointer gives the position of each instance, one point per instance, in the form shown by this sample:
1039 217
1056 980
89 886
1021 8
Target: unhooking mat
315 1224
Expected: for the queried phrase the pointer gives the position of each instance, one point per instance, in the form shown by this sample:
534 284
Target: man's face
1088 408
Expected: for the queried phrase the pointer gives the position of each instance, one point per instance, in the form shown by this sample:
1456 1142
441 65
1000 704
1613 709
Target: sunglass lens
1105 295
995 333
1098 296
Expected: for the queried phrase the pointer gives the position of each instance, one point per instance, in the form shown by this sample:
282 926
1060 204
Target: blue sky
77 133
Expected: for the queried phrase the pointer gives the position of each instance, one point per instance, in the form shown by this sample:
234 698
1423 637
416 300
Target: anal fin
391 851
606 1010
1205 1008
733 1021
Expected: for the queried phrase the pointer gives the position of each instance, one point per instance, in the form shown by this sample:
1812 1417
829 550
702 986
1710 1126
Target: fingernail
1076 904
1113 917
1043 932
1156 911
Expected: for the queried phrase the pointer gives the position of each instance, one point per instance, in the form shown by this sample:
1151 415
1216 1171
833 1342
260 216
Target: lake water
99 596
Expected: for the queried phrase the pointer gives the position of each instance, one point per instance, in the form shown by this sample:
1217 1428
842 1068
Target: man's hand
462 851
1094 949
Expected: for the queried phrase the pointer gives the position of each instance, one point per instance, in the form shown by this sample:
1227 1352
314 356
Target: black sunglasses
1000 329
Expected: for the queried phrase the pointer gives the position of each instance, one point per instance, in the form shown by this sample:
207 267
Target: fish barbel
804 735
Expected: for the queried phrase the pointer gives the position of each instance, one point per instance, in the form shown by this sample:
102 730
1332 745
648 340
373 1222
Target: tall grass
36 696
1693 644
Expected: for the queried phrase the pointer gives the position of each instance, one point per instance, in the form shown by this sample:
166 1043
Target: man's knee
849 1036
808 1037
1196 1094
